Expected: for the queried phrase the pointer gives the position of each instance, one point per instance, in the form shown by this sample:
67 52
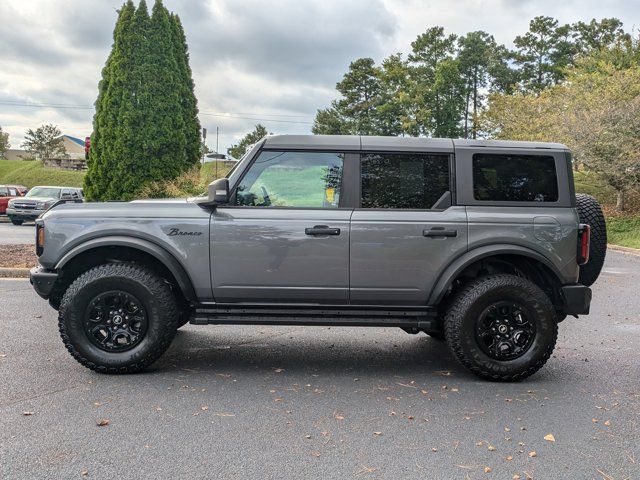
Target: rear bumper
42 280
577 299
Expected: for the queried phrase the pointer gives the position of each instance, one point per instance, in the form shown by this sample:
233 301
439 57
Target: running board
342 315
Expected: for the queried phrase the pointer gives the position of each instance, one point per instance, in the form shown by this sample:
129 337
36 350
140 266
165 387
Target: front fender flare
158 252
459 264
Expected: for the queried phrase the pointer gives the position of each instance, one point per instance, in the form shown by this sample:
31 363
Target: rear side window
398 180
514 178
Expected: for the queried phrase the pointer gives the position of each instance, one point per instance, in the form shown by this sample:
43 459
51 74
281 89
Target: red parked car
7 192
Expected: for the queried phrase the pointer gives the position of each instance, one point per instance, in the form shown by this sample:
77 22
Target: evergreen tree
143 127
188 100
240 148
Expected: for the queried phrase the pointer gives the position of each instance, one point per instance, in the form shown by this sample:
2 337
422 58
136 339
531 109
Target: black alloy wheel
504 331
115 321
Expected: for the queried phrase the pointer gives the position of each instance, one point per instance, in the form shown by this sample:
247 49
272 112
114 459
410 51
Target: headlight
45 205
10 204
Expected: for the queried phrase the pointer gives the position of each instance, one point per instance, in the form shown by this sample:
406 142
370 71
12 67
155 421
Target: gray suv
481 243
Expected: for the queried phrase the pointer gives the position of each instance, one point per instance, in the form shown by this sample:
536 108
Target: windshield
44 192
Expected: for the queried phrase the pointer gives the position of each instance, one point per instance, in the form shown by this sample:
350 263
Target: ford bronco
481 243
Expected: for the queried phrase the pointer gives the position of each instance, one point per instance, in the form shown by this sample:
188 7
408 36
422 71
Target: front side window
514 178
398 180
292 179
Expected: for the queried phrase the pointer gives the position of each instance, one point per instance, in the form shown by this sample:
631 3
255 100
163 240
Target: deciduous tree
45 142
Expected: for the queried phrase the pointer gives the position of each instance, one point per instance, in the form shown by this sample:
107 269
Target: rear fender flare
459 264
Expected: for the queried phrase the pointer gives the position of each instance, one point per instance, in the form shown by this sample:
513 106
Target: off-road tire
589 212
465 309
152 291
17 222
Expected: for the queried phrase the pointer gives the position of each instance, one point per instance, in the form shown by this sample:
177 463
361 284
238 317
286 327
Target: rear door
405 231
285 237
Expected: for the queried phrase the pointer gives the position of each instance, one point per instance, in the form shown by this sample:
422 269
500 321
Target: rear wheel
501 327
589 212
118 318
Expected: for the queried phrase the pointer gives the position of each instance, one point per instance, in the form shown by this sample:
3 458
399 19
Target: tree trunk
620 201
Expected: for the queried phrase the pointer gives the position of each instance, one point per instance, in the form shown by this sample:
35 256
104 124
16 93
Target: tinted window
414 181
514 178
292 179
4 192
44 192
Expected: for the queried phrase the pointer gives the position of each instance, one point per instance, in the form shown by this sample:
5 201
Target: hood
173 208
34 199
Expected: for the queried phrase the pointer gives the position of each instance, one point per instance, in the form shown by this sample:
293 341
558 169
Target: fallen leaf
533 454
410 417
507 429
550 438
509 458
594 420
339 417
377 433
608 423
516 477
487 469
491 448
315 454
279 370
103 422
84 473
27 414
97 404
307 436
225 414
434 449
478 444
204 408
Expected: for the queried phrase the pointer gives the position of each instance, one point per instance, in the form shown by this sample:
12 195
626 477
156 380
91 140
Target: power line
240 116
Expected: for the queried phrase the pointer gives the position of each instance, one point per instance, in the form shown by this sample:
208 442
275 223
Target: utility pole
204 143
217 159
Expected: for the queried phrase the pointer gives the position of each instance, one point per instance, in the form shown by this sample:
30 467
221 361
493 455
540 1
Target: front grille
24 206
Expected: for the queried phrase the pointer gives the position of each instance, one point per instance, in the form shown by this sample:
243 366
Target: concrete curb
617 248
14 272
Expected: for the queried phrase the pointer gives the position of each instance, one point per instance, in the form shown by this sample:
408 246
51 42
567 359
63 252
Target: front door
405 231
285 236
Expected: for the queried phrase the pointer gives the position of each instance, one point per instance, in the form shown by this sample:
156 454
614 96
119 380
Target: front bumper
26 214
577 299
42 280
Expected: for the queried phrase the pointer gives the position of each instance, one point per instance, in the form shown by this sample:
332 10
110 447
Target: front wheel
501 327
118 318
17 222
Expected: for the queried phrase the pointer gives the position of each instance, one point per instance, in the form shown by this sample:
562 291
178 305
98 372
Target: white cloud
251 59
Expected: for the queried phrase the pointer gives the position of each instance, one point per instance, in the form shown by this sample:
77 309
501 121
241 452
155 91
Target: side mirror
219 192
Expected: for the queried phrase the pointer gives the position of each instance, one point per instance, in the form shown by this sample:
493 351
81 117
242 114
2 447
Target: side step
340 315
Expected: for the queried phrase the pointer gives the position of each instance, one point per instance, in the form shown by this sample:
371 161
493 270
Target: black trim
577 299
160 253
339 315
42 280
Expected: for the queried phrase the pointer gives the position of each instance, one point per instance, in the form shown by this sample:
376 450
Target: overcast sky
253 61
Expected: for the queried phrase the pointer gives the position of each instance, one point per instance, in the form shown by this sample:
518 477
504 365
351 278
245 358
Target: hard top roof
379 143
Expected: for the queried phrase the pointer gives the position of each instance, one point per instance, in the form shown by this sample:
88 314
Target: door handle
436 232
321 230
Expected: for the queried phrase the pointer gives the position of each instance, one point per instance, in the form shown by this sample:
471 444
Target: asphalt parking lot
16 234
293 402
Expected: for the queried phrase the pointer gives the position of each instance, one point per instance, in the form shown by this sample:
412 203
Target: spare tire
589 212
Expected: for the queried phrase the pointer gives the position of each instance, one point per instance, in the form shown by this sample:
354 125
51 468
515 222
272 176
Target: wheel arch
498 252
94 250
